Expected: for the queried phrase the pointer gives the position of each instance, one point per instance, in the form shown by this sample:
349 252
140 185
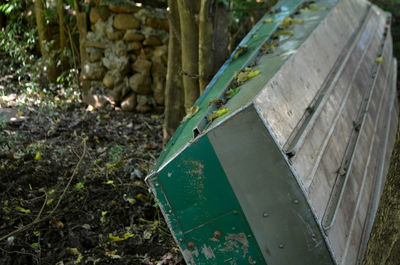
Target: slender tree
188 12
63 39
44 39
206 63
193 55
174 99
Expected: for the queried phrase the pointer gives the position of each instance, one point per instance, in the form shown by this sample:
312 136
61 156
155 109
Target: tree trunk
50 69
174 95
206 66
63 40
188 13
220 36
384 243
81 22
213 40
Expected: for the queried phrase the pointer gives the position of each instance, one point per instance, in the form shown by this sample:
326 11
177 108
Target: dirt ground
72 185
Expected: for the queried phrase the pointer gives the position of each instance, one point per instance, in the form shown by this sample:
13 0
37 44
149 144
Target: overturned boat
284 157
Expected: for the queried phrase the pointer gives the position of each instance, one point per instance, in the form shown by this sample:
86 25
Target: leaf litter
105 215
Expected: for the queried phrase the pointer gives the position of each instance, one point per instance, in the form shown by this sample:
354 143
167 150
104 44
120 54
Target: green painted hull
292 173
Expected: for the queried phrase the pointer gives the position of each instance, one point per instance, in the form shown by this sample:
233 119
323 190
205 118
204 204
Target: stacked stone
127 56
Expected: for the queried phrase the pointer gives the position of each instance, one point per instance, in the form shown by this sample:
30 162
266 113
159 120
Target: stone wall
126 56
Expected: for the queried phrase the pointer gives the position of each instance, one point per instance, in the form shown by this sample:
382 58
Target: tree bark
63 40
44 38
81 22
188 13
206 66
213 40
384 243
174 95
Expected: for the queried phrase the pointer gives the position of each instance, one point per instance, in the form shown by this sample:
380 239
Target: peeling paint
196 171
188 256
207 252
231 243
251 261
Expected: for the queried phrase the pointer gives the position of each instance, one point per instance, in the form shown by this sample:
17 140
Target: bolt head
217 234
190 245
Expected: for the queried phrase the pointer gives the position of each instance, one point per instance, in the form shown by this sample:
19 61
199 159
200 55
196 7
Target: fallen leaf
299 21
57 223
240 51
38 156
245 75
128 235
283 33
287 23
147 234
73 251
35 245
78 260
112 254
379 59
79 185
27 211
49 202
216 101
192 111
117 238
20 113
268 20
218 113
131 200
232 92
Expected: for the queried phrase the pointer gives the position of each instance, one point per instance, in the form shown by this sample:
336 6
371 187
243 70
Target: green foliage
116 153
17 40
9 6
243 14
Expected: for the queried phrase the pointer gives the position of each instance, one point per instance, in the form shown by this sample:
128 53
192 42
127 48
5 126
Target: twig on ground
39 220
